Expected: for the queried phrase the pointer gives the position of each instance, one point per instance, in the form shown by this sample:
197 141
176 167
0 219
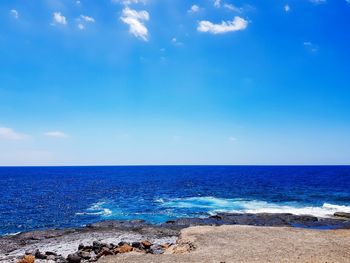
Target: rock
49 253
39 255
81 246
105 251
146 244
122 243
156 249
123 249
136 245
73 258
342 214
27 259
84 254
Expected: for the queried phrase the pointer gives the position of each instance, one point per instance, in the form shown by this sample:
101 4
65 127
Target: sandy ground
252 244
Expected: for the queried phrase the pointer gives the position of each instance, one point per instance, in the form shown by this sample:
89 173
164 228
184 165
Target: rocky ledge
112 237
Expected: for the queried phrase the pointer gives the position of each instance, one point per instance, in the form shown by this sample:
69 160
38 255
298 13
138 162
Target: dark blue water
48 197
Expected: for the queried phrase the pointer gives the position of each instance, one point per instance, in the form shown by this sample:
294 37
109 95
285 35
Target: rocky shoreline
113 237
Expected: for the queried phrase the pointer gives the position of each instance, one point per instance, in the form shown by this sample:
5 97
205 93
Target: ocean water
58 197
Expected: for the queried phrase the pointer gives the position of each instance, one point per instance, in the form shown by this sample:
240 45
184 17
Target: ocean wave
213 205
97 209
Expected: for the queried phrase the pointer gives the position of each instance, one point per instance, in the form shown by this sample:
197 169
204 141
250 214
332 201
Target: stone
105 251
39 255
146 244
27 259
73 258
123 249
156 249
84 254
81 246
50 253
136 244
342 214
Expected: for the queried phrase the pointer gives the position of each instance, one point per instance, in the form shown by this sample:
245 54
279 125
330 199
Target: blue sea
60 197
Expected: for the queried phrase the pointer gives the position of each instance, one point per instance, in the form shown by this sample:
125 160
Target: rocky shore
107 238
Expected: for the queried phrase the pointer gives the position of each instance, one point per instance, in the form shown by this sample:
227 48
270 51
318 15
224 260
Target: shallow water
47 197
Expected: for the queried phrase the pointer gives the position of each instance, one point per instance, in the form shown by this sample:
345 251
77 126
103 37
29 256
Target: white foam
214 205
97 209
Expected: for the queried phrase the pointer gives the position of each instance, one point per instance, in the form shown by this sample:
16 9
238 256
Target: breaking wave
213 205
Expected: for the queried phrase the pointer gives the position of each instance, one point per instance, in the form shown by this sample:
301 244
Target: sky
133 82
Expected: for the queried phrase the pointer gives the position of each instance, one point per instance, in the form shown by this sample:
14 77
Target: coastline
66 241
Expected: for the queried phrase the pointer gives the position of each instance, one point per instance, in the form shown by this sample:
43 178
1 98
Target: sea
33 198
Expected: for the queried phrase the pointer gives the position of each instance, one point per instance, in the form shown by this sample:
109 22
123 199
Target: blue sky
174 82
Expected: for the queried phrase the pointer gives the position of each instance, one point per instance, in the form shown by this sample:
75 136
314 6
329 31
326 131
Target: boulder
105 251
123 249
146 244
136 245
39 255
27 259
73 258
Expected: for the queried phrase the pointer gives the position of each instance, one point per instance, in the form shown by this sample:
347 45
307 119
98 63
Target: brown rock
146 244
123 249
105 251
27 259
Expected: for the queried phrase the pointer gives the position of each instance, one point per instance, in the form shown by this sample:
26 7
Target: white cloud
10 134
233 8
58 18
287 8
14 13
236 24
135 21
83 20
194 9
129 2
310 46
217 3
56 134
87 18
318 1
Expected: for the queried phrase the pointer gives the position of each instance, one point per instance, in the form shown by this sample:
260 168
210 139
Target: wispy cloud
9 134
310 46
237 24
135 20
194 9
286 8
316 2
14 13
58 18
83 20
217 3
56 134
233 8
129 2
